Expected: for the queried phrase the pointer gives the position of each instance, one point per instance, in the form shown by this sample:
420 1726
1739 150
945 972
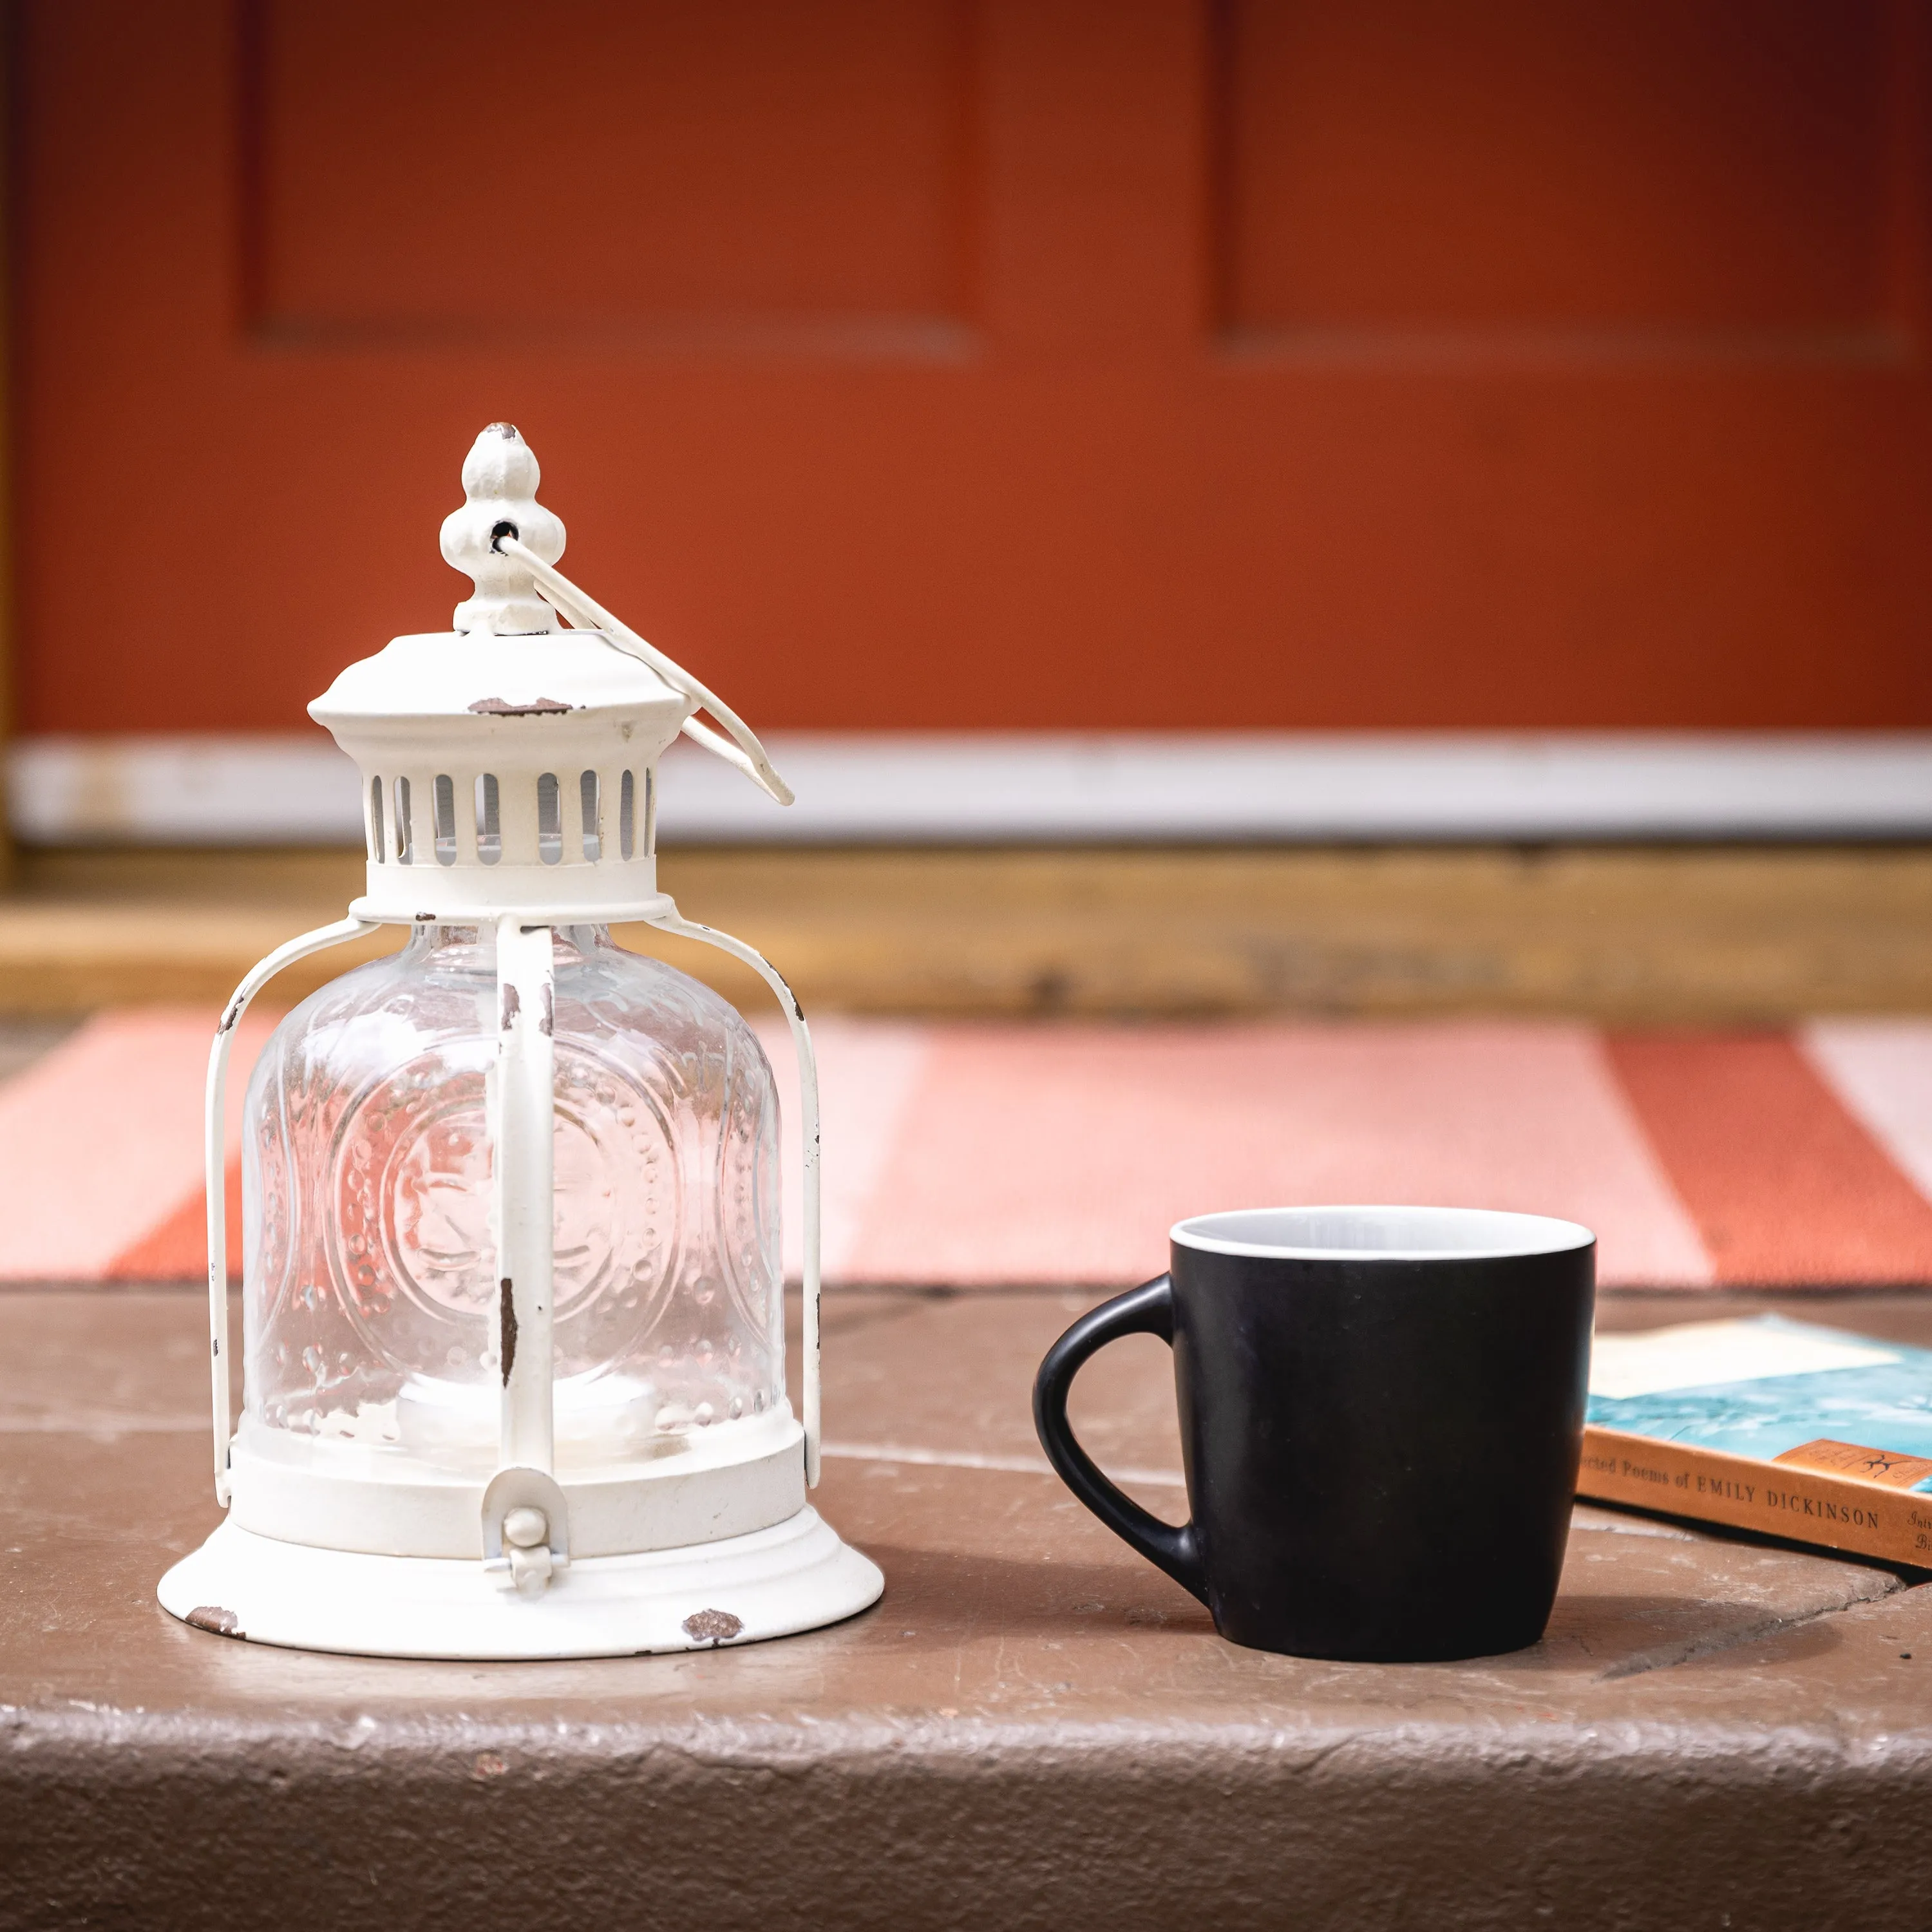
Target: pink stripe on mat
100 1139
1064 1154
177 1250
869 1071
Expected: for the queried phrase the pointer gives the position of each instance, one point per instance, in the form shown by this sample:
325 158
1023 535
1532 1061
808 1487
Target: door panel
1117 363
1585 170
754 162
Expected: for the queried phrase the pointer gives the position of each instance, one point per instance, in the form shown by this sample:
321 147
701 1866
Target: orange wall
1029 362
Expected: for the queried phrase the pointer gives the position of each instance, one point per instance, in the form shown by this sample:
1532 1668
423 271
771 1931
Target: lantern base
796 1576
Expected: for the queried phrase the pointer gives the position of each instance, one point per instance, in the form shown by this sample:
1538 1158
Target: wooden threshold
1665 934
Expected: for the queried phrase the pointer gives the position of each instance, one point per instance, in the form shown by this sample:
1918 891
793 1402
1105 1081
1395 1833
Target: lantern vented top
508 765
500 490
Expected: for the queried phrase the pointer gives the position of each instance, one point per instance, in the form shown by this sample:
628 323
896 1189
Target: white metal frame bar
523 1191
808 1136
214 1147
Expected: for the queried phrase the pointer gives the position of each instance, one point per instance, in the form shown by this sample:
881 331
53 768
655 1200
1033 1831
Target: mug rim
1492 1233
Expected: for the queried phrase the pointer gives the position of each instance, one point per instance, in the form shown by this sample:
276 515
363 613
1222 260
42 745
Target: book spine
1679 1479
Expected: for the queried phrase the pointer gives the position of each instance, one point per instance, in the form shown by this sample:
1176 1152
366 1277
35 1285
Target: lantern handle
215 1154
746 755
672 921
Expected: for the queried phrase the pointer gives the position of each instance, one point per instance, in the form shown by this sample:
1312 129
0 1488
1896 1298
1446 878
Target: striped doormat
1060 1154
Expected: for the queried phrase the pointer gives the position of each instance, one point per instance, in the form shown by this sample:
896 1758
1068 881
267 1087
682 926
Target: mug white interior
1379 1234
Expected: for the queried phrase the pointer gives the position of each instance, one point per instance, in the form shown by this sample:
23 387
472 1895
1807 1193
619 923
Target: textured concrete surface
1034 1729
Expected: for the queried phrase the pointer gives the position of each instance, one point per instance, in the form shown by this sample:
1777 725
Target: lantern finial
499 489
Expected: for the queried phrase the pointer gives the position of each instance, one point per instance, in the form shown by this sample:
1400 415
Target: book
1768 1424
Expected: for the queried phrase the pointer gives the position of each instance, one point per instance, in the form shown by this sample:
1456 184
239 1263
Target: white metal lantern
513 1296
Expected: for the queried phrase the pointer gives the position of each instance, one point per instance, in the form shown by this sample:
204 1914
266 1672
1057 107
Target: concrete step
1032 1728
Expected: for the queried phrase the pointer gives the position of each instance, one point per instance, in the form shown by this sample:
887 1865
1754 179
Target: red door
1031 362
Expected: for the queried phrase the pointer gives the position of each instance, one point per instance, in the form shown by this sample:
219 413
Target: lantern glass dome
371 1309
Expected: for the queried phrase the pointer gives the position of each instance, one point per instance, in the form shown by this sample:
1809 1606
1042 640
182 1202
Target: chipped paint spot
546 1026
488 1764
425 918
502 707
713 1626
223 1623
508 1323
513 1004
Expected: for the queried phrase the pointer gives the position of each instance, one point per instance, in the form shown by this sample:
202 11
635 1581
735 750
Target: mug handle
1146 1310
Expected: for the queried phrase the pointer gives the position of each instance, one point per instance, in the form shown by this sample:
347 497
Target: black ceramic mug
1381 1410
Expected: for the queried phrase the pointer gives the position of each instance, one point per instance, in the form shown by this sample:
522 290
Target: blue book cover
1786 1427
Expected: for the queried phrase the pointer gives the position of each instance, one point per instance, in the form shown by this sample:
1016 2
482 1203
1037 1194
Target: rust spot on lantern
502 707
513 1004
713 1626
509 1327
546 1026
212 1617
